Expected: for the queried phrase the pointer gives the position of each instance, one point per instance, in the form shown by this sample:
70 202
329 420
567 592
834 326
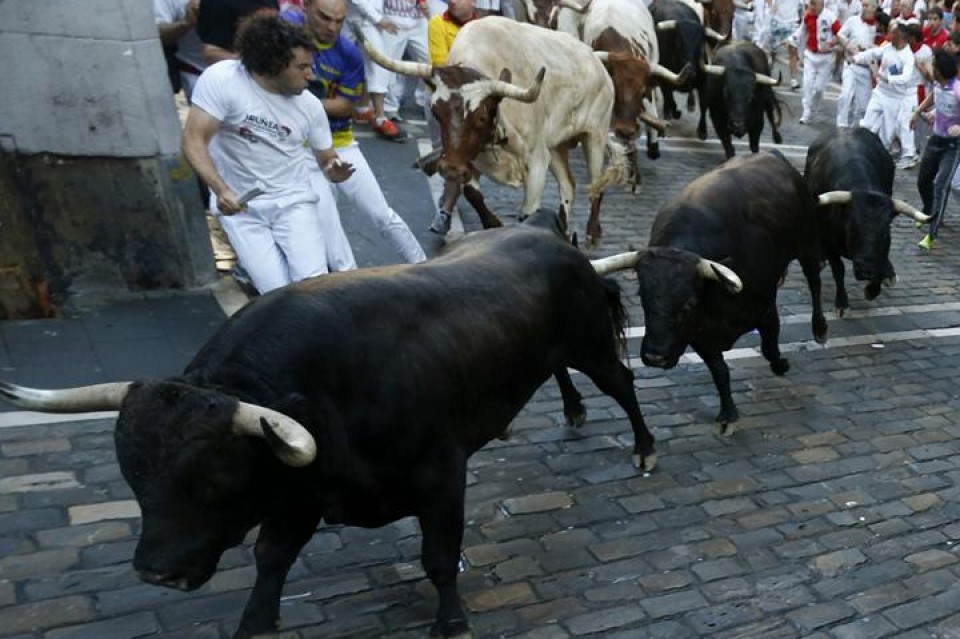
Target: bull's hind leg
573 409
720 372
277 547
769 108
616 380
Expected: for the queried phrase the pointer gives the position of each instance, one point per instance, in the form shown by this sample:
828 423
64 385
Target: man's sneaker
907 162
363 117
441 223
926 243
388 130
805 119
794 84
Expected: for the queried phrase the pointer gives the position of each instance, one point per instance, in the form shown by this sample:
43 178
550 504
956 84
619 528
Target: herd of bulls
357 398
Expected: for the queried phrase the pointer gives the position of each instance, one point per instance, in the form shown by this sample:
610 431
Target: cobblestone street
832 513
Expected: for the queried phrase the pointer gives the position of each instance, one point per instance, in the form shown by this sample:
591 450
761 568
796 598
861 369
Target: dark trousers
933 179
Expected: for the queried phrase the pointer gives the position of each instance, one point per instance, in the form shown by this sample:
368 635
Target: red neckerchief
870 21
915 47
450 18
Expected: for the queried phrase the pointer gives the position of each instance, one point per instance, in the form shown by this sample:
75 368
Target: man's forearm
198 155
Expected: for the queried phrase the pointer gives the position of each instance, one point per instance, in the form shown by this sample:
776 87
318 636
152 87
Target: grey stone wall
93 193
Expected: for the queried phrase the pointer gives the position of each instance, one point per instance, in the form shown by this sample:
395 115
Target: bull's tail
617 171
618 313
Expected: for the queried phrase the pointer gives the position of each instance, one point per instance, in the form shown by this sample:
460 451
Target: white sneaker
805 119
907 162
794 83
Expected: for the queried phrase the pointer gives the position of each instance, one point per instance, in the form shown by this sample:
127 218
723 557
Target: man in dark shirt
217 24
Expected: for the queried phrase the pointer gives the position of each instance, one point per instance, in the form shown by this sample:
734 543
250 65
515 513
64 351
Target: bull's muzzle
167 581
455 171
657 361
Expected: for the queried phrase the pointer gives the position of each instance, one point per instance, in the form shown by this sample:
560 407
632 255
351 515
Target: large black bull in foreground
717 254
850 171
738 92
356 398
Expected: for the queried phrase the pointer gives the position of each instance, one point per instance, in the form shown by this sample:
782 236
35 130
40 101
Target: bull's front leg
841 302
811 271
475 197
769 329
534 182
670 110
771 104
720 372
277 547
441 522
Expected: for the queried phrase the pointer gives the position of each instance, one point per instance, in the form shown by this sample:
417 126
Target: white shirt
786 11
896 64
857 34
262 135
189 46
922 56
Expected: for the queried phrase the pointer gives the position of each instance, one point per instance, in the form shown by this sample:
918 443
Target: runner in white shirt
817 35
784 20
922 74
247 128
856 35
892 68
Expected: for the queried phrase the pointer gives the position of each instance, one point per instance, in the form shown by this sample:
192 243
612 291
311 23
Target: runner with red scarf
817 35
441 31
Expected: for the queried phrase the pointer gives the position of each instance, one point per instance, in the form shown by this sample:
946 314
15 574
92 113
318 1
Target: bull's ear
506 76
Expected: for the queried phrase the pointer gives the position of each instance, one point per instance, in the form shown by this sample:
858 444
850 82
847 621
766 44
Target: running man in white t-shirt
249 123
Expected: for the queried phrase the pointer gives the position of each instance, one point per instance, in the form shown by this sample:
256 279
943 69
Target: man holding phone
247 128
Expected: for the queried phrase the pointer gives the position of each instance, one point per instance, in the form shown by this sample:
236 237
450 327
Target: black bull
382 383
716 256
851 172
738 91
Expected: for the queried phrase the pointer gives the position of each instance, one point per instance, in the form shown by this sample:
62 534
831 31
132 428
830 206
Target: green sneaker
926 243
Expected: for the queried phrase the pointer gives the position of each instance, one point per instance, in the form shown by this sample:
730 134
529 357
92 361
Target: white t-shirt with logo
262 135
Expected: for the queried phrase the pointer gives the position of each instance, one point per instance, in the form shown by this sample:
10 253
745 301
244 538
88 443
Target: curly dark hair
265 43
945 64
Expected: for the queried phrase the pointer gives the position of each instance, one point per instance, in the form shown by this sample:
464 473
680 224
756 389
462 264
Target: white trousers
279 242
817 68
908 136
883 115
363 191
408 40
741 25
854 94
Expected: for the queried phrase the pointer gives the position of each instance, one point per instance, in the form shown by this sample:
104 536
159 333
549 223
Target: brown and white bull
623 35
511 103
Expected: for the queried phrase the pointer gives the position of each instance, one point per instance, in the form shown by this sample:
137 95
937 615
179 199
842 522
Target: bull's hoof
645 463
593 241
840 310
458 629
653 151
891 281
820 329
576 418
871 290
505 435
727 429
675 114
702 133
777 138
780 366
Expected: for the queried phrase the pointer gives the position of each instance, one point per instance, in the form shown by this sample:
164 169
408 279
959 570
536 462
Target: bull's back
850 158
741 209
576 91
629 18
